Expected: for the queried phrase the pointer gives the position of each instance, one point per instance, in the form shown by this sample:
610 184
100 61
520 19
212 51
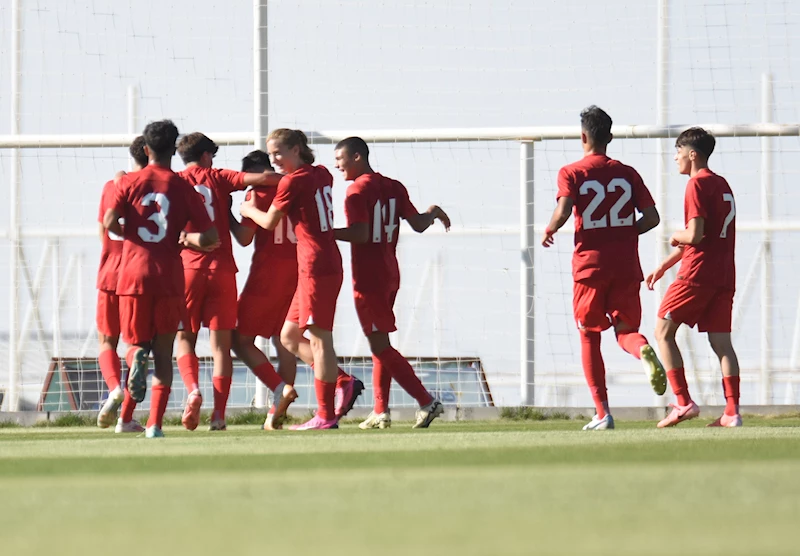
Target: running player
703 292
374 205
604 194
156 204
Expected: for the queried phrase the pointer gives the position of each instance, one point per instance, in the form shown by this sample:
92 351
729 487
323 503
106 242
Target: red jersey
710 262
380 202
280 243
156 204
305 197
214 186
111 253
605 193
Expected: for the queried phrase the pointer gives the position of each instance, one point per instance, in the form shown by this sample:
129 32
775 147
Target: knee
664 332
290 341
720 344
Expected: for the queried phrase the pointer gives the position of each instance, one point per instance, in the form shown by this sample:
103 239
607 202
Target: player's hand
654 277
247 206
441 216
208 248
547 238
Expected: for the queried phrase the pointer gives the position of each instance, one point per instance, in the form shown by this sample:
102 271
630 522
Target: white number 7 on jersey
728 198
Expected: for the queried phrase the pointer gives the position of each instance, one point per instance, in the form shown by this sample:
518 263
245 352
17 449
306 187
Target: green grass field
457 488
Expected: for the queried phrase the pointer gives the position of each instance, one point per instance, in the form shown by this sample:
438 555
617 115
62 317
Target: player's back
306 197
214 185
111 253
374 263
157 204
606 194
710 262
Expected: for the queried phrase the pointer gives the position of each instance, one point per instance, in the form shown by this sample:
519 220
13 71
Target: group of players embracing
167 268
605 196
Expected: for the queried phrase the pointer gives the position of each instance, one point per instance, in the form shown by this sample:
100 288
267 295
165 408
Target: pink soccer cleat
727 421
679 414
346 396
191 413
316 423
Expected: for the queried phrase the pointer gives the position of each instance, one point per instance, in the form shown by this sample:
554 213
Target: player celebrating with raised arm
703 292
605 194
304 195
374 205
157 204
108 311
210 277
267 296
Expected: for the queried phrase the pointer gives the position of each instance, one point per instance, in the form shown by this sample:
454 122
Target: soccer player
267 295
108 311
304 195
703 292
604 194
157 204
210 278
374 205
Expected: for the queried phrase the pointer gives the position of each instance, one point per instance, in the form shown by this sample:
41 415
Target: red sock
159 396
404 374
632 342
222 388
111 368
595 370
128 405
326 394
342 377
381 382
677 379
730 385
265 372
189 366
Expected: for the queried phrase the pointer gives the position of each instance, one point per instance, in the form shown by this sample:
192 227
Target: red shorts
709 308
376 311
266 299
144 316
210 299
315 301
599 304
107 313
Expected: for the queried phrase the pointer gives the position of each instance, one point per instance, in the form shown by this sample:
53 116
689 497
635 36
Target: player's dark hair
597 124
293 138
191 147
256 159
160 137
136 151
354 145
697 139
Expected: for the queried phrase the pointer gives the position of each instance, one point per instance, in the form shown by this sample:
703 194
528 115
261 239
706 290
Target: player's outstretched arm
423 221
267 220
559 218
692 235
357 232
266 178
111 222
668 263
649 220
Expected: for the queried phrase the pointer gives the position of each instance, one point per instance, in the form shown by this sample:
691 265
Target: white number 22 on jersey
589 222
380 224
728 198
159 217
325 207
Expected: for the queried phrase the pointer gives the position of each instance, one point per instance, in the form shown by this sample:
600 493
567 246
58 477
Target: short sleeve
232 179
355 206
566 185
692 203
642 198
406 208
198 215
286 195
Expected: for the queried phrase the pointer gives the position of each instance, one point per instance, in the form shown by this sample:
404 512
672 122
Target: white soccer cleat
131 426
425 415
604 424
108 413
377 421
